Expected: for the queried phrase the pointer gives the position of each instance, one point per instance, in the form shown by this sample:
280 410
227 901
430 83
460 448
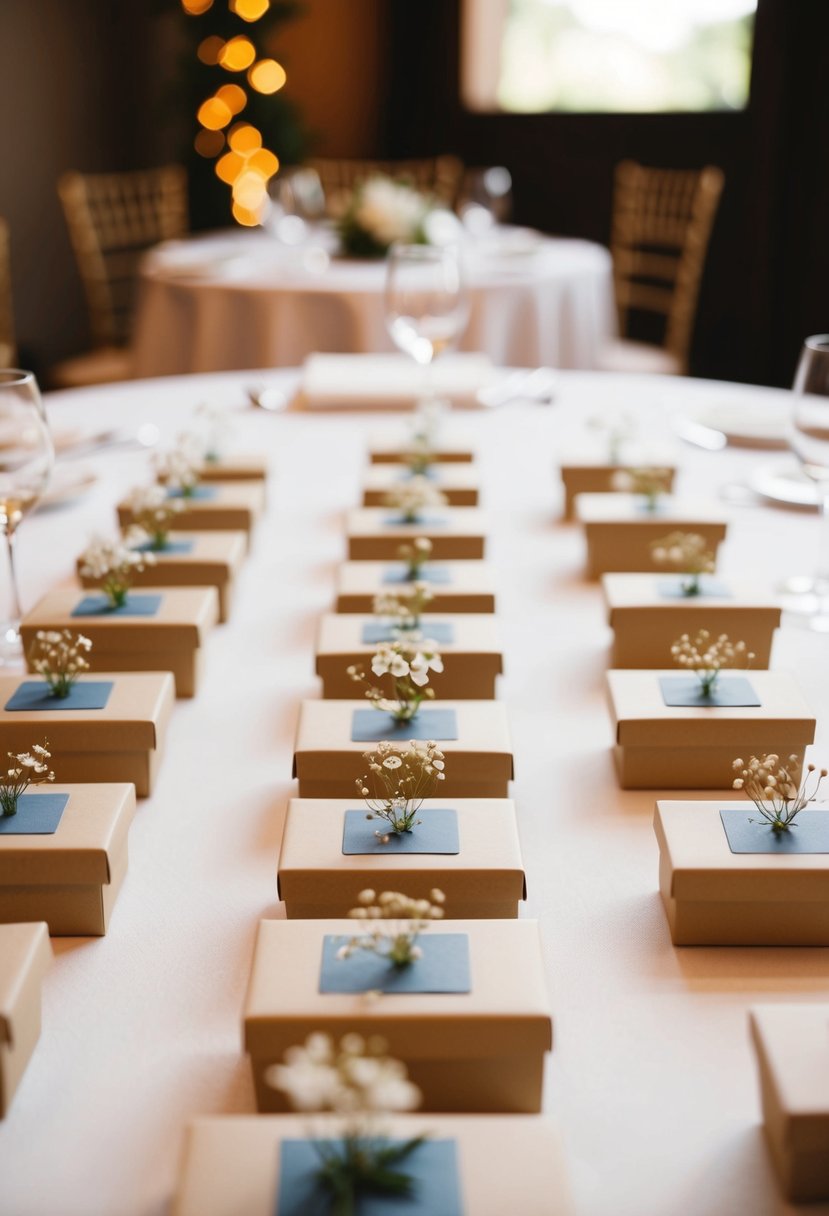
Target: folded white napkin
389 381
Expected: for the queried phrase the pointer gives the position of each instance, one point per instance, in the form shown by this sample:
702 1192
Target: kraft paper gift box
593 477
693 747
716 897
647 614
170 639
121 741
200 559
376 533
455 586
327 760
792 1047
395 447
457 482
619 529
472 659
503 1164
482 878
25 957
247 467
225 506
481 1050
69 877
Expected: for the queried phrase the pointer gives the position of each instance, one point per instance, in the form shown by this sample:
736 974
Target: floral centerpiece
392 924
646 483
415 554
355 1084
408 663
398 781
403 608
113 563
179 468
707 657
379 212
153 511
60 657
215 427
779 791
688 554
28 768
616 430
411 498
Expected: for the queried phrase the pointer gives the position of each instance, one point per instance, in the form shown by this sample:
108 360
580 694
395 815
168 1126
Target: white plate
67 484
742 424
785 483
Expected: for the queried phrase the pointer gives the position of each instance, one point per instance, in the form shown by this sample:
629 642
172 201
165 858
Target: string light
267 76
234 97
209 143
237 54
214 114
250 10
209 50
195 8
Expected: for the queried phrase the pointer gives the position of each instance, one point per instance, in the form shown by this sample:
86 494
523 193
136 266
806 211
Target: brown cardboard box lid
25 957
489 865
635 455
366 578
184 617
92 832
245 466
703 867
373 521
474 633
247 495
324 733
642 719
508 1009
392 445
454 476
626 509
133 719
624 593
215 557
231 1163
792 1044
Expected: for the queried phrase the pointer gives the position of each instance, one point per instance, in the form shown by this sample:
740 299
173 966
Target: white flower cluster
59 656
415 554
180 466
649 482
413 496
393 922
153 511
113 563
685 551
397 782
355 1077
404 608
389 211
407 659
216 428
779 791
616 429
28 768
708 657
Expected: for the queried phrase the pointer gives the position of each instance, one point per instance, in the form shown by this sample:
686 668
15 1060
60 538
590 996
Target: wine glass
26 460
809 440
426 304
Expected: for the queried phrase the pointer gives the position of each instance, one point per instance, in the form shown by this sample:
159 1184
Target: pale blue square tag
374 726
444 967
436 833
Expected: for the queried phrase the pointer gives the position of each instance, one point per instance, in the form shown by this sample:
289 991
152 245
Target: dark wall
766 280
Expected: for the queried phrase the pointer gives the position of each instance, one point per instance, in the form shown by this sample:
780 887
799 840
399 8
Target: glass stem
822 578
17 611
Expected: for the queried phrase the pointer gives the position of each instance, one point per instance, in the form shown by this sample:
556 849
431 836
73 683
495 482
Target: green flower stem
690 584
8 802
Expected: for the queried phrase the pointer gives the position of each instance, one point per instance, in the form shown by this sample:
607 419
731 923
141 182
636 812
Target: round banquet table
651 1080
241 299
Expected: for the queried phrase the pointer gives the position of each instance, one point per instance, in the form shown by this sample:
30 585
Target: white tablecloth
242 300
651 1079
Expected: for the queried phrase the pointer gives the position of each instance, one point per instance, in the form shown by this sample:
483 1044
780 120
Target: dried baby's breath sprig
403 609
415 554
113 563
687 553
216 429
397 782
649 483
59 656
616 430
179 467
779 791
153 511
393 923
411 498
408 663
706 658
28 768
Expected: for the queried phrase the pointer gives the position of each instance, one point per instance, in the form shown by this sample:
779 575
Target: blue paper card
432 1167
424 521
34 694
444 967
37 815
136 605
436 833
373 726
670 588
428 574
728 692
171 546
198 493
442 632
747 832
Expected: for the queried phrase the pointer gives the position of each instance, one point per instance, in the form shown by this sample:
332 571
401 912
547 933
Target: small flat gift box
467 847
502 1164
620 529
193 559
592 477
69 876
469 646
648 612
169 638
694 746
25 957
792 1046
478 1050
121 741
394 448
218 506
455 586
457 482
328 759
247 467
714 896
376 533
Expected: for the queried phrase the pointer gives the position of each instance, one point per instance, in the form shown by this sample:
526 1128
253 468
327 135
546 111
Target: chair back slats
8 345
439 176
113 218
662 220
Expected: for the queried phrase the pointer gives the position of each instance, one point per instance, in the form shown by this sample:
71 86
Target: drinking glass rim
15 375
817 342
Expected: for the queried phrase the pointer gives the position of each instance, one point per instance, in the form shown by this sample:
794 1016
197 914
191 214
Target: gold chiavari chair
662 220
8 345
439 176
113 218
